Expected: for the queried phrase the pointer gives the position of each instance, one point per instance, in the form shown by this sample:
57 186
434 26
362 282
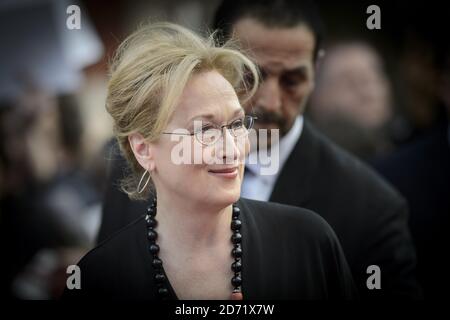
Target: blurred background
384 95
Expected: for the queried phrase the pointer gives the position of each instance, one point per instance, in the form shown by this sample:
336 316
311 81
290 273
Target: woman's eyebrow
210 116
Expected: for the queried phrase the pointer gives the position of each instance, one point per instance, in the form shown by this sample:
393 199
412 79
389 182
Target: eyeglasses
210 133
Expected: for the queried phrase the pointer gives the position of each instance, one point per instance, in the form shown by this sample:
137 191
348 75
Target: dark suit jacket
421 172
368 216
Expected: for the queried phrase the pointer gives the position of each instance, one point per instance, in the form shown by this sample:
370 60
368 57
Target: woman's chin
222 190
226 196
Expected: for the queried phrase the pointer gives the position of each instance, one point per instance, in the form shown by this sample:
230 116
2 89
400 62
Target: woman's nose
227 147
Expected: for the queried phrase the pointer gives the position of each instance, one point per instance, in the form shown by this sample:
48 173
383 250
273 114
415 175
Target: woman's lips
228 173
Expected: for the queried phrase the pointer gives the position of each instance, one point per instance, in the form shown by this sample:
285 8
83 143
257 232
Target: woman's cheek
244 150
208 155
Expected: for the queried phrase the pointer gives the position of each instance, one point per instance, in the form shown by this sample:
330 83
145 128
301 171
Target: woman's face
183 166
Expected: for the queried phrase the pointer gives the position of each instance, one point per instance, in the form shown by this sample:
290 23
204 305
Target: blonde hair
148 75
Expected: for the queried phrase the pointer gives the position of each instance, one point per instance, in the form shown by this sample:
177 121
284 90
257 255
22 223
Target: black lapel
295 182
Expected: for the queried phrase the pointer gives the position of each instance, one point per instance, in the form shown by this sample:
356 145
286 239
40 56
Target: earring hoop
139 190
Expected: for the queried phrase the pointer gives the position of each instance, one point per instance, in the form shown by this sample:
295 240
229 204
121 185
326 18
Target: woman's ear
142 150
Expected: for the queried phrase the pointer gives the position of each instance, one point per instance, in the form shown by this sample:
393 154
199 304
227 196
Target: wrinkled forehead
274 47
207 93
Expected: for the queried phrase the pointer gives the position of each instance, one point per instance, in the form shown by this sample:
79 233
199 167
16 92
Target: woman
175 100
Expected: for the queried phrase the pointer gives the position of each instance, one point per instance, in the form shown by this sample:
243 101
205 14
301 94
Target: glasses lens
209 136
240 127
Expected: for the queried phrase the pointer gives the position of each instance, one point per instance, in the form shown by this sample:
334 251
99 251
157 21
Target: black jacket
293 254
421 172
369 217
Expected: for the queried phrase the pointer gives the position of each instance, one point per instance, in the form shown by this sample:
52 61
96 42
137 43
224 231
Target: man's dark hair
271 13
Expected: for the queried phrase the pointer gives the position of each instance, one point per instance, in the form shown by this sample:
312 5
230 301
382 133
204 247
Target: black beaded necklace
157 264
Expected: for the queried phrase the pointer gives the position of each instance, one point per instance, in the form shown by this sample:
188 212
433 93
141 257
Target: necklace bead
154 249
236 281
152 235
157 263
160 278
163 292
151 223
236 225
236 266
236 238
237 251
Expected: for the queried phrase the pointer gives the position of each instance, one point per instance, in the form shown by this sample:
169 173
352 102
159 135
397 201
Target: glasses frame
227 126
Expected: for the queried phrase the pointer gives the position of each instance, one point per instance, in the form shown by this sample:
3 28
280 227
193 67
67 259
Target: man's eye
290 80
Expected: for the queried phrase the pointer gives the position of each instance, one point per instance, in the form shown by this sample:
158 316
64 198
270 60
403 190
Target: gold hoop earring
139 190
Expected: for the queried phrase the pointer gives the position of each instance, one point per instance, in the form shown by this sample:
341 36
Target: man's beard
270 120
